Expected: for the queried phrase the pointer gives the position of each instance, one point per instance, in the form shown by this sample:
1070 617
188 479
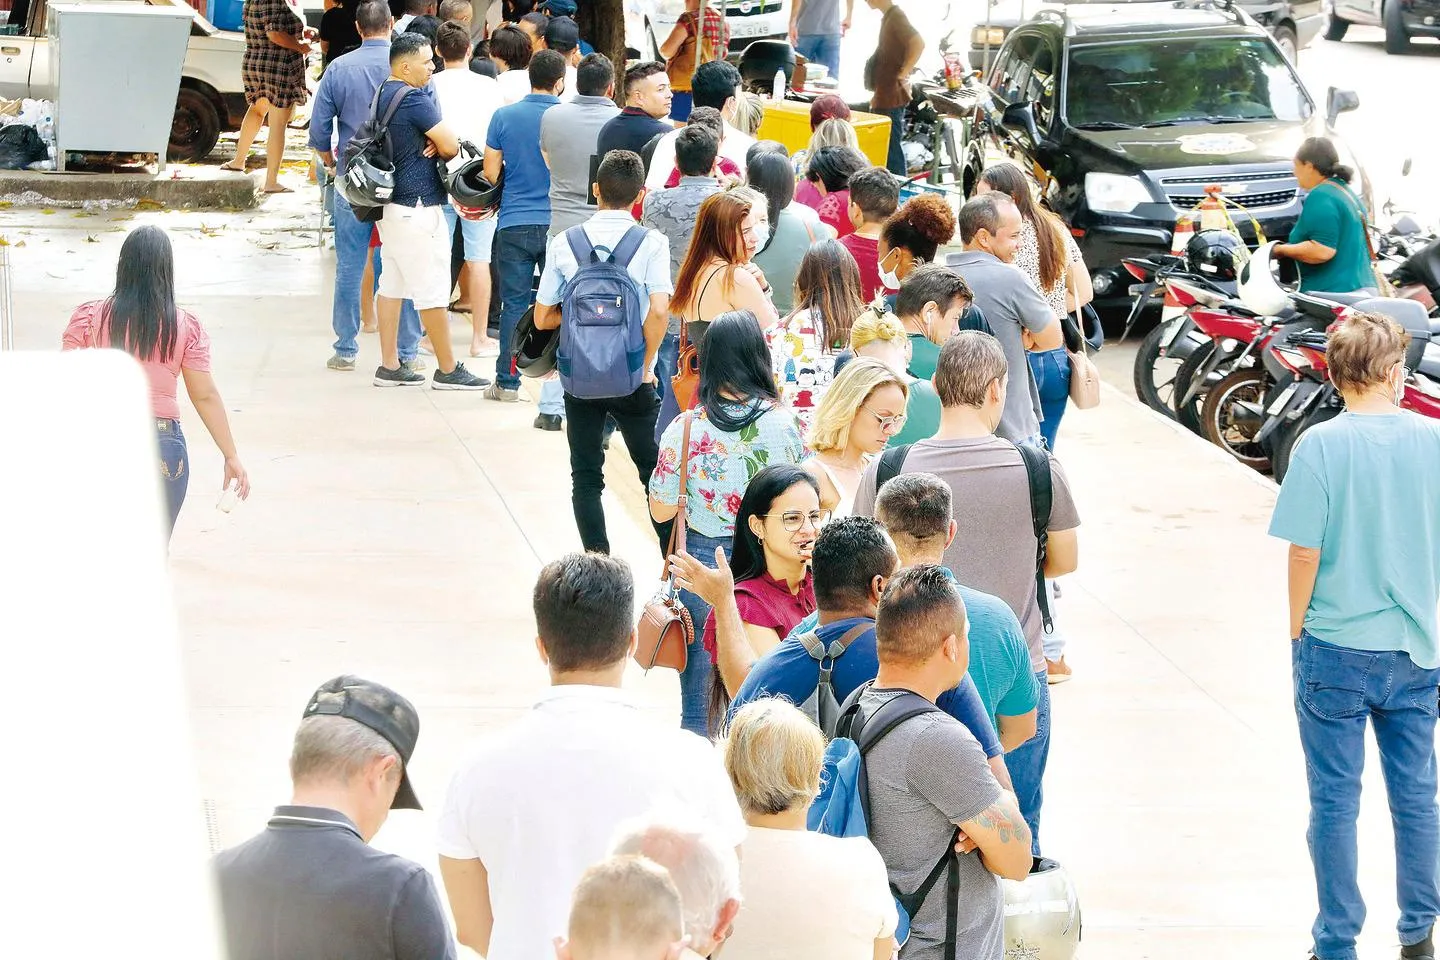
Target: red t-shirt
767 602
725 165
834 209
866 251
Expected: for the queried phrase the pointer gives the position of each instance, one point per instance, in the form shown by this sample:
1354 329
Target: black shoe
1424 950
401 376
458 379
549 421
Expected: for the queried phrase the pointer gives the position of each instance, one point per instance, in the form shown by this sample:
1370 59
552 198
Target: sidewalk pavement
396 534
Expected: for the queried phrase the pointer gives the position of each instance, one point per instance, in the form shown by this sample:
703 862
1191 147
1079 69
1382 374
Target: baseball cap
562 35
560 8
382 710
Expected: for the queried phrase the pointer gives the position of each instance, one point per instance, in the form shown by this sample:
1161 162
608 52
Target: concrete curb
29 188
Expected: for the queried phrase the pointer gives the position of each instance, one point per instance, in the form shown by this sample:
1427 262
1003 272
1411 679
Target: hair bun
931 217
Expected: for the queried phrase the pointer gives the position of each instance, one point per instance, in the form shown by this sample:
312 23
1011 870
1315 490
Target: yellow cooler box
788 121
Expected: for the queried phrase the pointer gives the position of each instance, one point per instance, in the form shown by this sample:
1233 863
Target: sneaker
338 362
548 421
458 379
1424 950
401 376
415 364
1057 671
503 394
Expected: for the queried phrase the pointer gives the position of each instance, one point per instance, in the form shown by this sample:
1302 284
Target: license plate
1281 400
1172 333
742 30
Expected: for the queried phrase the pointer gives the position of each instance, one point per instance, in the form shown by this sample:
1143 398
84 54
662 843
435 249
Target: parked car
649 22
211 97
1402 19
1126 113
1293 23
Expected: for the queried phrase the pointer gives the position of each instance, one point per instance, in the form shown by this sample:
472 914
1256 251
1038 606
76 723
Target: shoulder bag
685 384
665 630
1084 375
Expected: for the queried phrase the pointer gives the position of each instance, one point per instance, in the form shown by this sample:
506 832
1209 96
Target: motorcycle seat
1345 299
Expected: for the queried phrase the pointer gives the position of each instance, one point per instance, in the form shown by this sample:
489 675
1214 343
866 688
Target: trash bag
20 146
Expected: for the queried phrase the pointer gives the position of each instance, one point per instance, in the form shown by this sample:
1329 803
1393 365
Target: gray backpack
822 705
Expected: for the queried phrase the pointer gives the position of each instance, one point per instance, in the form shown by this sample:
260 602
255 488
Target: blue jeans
1051 369
352 244
895 159
821 48
1026 764
518 251
695 680
1337 690
681 103
174 468
667 364
552 399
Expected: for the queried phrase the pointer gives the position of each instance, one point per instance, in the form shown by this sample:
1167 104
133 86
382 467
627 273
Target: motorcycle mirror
1339 101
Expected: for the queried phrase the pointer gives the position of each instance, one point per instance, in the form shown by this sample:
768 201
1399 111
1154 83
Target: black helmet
760 61
534 349
1213 254
467 184
368 181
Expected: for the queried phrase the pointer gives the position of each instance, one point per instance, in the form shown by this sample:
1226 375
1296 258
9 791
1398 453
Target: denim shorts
478 235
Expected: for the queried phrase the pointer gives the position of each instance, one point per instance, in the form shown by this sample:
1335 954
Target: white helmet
1257 287
1042 915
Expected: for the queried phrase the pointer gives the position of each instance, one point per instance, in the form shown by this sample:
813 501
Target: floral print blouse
722 464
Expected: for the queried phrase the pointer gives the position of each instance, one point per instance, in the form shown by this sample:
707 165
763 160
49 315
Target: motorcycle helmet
467 185
366 182
1257 287
1042 914
760 61
534 349
1216 254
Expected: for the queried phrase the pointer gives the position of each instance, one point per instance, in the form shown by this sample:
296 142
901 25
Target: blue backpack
842 809
602 327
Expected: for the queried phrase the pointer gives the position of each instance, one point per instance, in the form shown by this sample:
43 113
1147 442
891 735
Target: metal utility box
115 68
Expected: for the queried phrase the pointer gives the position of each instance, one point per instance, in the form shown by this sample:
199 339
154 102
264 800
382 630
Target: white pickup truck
211 95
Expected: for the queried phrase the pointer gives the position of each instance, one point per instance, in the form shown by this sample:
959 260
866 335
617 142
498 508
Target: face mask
889 280
1398 386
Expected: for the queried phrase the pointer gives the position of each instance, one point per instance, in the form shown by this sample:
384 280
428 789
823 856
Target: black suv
1125 113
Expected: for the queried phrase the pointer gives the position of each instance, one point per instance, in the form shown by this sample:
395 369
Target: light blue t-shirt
999 657
1363 489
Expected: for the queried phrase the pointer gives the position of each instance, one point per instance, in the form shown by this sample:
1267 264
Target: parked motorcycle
1169 345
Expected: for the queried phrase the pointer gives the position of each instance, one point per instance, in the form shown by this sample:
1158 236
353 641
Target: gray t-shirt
569 133
926 776
1009 301
820 17
994 548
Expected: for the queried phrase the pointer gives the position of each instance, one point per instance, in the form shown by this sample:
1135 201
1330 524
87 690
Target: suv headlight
1114 192
994 36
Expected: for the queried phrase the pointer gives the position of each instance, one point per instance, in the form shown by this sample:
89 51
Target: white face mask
1398 385
888 280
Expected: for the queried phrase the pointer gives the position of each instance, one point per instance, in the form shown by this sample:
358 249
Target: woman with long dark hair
738 428
141 318
806 345
794 227
775 529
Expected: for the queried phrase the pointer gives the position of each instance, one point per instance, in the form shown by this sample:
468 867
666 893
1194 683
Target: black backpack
369 160
1037 473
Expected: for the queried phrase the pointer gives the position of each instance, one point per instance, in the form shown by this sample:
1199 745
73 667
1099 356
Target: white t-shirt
514 85
467 101
571 85
540 802
808 895
734 146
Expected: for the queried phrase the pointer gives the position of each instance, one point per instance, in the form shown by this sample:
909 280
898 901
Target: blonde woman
831 132
881 336
862 410
773 754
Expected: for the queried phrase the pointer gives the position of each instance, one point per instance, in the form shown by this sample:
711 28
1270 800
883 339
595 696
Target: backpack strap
628 246
400 95
580 245
1042 495
890 463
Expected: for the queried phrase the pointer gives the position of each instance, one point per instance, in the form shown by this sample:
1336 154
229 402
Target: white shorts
415 255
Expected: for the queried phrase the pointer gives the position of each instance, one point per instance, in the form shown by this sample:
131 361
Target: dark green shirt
922 414
1332 217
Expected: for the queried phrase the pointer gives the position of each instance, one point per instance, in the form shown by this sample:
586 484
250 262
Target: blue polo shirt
789 671
515 132
417 177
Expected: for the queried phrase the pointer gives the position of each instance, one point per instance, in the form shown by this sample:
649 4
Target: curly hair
921 225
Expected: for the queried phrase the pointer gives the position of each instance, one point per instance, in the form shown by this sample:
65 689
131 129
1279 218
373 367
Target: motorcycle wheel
1155 375
1189 414
1289 436
1233 414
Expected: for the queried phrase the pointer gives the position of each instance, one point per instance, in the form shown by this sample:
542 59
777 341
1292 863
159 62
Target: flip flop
280 189
232 169
456 308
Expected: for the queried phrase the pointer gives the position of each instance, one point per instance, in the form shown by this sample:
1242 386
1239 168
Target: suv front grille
1273 198
1237 178
750 8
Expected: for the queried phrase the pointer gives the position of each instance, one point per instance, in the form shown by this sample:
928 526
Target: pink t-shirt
834 209
192 352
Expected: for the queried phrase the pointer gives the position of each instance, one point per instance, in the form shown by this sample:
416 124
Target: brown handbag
665 630
686 382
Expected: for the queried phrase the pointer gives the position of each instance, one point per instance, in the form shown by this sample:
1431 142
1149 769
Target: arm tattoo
996 818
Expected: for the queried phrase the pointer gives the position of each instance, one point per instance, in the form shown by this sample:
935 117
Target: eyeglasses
793 520
895 423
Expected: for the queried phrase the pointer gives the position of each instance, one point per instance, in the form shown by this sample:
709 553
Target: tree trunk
602 22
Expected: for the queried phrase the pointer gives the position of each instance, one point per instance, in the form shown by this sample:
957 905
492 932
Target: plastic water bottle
229 498
777 89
